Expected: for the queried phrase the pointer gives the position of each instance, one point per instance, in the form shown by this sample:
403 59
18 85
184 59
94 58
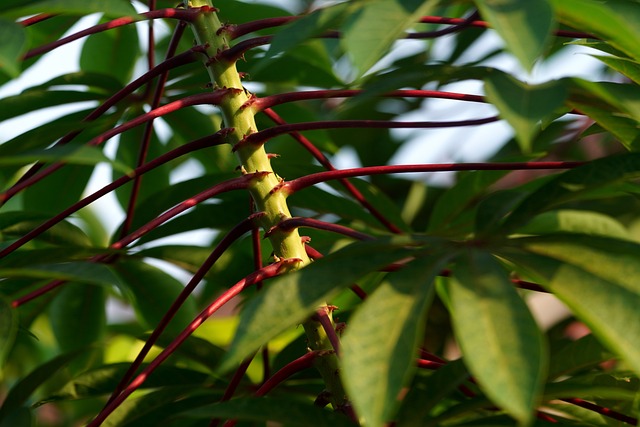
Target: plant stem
238 115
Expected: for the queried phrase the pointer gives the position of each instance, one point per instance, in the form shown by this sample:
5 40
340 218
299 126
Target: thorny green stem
209 32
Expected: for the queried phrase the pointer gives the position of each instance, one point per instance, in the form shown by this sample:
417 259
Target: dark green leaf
524 106
82 155
524 26
14 43
499 338
78 319
78 271
583 353
22 390
380 345
287 300
8 328
16 224
152 292
34 99
624 66
112 52
289 412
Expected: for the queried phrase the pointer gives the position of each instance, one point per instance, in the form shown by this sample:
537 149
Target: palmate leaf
500 341
288 300
380 345
370 32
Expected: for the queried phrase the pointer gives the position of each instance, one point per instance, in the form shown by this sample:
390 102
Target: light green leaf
288 300
499 338
574 221
524 25
524 106
8 328
380 345
616 21
370 32
111 8
14 44
625 66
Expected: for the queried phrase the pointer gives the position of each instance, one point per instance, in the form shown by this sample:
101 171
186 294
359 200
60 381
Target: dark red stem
270 271
316 178
187 15
35 19
264 135
323 317
233 235
281 98
602 411
295 222
148 129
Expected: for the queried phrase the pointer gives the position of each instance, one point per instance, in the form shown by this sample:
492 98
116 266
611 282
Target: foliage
419 273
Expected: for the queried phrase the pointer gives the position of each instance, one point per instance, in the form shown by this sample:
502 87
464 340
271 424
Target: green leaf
574 221
111 8
78 155
578 355
283 411
380 345
14 44
78 319
16 224
34 99
524 26
58 191
370 32
8 329
103 380
78 271
499 338
152 292
615 21
524 106
112 52
574 184
288 300
23 389
625 66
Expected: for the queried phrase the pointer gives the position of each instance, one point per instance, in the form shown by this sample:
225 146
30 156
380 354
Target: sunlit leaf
499 338
524 106
372 29
380 344
523 25
299 293
112 8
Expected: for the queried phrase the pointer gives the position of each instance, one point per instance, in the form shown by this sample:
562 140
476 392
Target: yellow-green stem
253 158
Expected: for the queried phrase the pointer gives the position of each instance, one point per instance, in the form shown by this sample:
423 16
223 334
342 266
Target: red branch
233 235
316 178
295 222
35 19
181 14
602 411
270 271
273 100
264 135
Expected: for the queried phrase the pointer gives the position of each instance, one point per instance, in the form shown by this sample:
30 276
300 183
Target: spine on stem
238 117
